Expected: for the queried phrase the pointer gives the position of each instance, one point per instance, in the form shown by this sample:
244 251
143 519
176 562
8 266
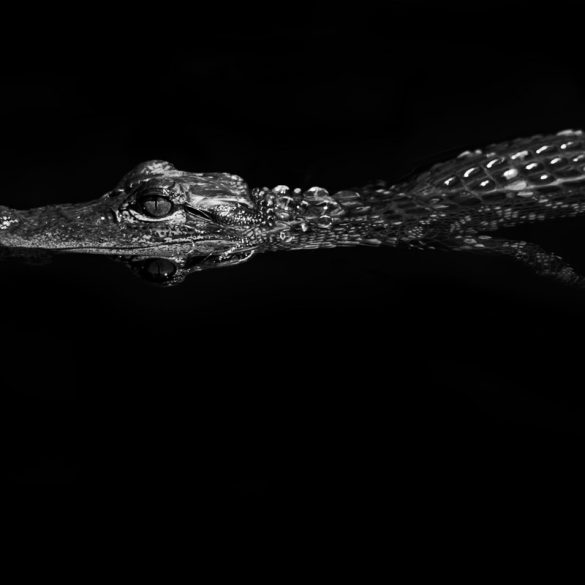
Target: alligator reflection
164 271
171 271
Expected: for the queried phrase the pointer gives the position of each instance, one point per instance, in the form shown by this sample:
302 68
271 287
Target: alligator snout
96 228
54 227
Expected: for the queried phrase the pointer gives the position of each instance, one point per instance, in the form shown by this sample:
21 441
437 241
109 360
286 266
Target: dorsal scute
496 159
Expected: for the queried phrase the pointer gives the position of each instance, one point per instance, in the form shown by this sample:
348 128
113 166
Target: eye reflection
158 269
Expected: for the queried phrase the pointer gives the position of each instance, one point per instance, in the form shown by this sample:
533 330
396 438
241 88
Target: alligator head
163 222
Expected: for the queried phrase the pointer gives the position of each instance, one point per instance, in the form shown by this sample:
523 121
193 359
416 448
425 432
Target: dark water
322 375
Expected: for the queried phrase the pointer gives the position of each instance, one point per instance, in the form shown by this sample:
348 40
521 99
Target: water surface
315 372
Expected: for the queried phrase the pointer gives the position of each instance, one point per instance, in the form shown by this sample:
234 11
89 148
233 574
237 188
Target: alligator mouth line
129 249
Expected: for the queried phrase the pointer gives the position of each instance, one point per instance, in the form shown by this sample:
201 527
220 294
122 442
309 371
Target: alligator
166 223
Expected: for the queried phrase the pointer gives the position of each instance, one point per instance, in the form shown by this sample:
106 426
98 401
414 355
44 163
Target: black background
338 376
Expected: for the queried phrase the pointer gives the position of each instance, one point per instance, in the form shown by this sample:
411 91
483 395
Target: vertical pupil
156 205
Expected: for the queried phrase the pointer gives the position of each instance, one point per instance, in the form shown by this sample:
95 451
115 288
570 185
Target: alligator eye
155 205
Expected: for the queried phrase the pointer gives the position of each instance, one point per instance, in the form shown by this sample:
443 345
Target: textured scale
505 184
495 175
541 173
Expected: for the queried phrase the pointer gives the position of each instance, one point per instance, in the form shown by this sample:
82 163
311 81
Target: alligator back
524 180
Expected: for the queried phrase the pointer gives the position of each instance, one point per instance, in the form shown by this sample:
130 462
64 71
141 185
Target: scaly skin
165 223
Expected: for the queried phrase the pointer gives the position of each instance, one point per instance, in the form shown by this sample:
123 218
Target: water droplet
483 185
451 182
521 155
570 145
546 148
471 172
517 185
281 190
510 174
544 178
557 162
317 192
495 162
